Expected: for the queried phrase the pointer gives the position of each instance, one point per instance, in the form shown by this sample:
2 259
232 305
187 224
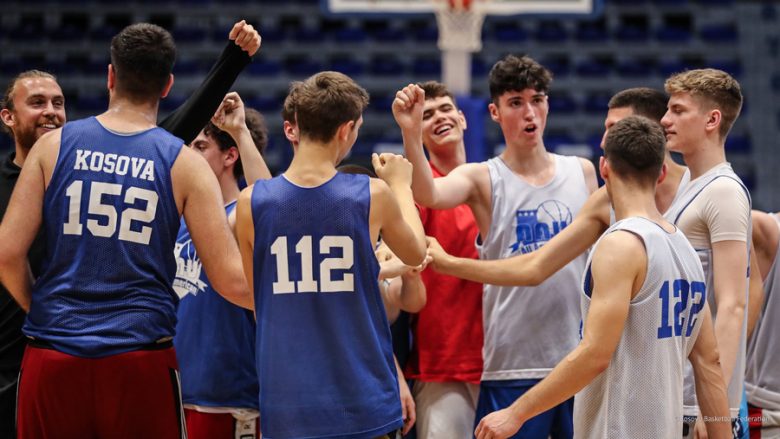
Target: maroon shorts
219 426
130 395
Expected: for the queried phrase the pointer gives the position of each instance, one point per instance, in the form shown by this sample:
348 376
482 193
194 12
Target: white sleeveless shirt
640 394
528 330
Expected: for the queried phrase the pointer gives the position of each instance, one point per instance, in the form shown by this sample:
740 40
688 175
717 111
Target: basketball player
520 200
215 340
307 241
628 369
108 192
591 221
714 213
34 104
762 381
446 356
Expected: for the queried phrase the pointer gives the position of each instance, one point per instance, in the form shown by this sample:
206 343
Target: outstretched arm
535 267
618 269
187 120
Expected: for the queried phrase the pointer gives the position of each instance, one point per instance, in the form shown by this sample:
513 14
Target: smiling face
37 107
522 116
443 124
685 123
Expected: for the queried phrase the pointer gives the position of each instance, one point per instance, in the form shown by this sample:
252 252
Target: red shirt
447 333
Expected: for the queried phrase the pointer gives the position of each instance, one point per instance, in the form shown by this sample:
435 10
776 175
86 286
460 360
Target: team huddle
148 295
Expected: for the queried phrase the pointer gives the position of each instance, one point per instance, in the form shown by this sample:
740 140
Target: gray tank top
640 394
681 202
528 330
762 372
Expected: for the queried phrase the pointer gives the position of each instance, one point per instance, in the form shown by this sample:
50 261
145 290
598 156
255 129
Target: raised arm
710 386
187 120
442 193
618 270
231 118
393 209
196 187
535 267
23 218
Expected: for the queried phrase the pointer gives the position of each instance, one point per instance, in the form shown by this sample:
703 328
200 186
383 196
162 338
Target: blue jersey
110 222
324 355
215 340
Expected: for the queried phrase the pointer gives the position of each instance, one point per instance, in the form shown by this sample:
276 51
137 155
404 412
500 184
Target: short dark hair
142 56
645 101
435 89
10 91
635 149
513 73
356 169
324 102
257 128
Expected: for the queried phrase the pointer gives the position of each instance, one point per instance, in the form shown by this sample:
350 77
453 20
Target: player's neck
702 159
446 161
629 201
125 116
666 191
229 188
535 165
313 163
21 155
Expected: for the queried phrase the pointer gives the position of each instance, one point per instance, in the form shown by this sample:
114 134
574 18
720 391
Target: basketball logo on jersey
537 226
188 269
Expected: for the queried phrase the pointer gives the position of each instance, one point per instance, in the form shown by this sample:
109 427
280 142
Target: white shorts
445 410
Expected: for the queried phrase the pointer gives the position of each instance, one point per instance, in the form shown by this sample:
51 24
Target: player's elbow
236 291
733 310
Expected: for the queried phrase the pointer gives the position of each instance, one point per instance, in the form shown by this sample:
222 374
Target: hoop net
460 25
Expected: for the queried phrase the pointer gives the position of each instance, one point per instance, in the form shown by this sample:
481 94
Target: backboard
491 7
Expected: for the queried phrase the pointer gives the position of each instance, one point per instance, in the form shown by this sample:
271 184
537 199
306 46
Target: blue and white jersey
110 222
640 393
522 339
324 354
215 340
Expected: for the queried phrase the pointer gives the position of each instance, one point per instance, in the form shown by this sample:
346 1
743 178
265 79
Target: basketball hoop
460 35
460 25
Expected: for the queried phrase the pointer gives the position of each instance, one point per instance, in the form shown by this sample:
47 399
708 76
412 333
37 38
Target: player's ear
493 109
231 156
603 168
462 119
290 131
345 130
662 175
168 86
714 118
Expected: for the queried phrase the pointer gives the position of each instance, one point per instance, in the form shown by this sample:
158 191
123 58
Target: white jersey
528 330
675 212
640 394
762 373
